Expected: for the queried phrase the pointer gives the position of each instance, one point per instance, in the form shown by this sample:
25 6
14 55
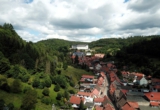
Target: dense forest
42 73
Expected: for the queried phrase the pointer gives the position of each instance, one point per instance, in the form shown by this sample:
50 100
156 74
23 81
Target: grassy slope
17 98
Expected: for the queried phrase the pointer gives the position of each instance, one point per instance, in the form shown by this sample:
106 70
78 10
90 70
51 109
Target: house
75 101
87 79
140 79
130 106
96 93
154 98
101 100
87 96
99 55
80 47
89 105
108 107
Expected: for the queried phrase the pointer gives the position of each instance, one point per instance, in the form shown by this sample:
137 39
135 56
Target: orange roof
124 91
154 103
95 92
153 96
127 107
84 93
87 76
76 100
157 86
98 108
108 107
133 104
102 73
155 80
98 99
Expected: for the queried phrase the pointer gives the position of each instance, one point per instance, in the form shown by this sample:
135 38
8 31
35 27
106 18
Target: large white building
80 47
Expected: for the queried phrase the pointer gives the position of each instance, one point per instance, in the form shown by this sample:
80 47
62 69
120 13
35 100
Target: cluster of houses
106 91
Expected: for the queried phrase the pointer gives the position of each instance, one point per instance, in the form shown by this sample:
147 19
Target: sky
81 20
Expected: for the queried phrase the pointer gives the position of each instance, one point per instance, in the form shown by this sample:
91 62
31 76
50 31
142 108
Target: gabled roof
84 93
98 108
87 76
108 107
95 92
153 96
100 100
133 104
127 107
154 103
155 80
76 100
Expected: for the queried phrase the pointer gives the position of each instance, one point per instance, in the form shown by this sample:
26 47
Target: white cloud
81 20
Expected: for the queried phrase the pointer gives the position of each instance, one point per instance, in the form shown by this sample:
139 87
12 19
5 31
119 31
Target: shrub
71 91
46 100
45 91
59 96
57 88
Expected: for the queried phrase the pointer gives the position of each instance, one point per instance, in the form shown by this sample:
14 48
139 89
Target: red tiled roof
98 99
84 93
153 96
98 108
108 107
124 91
95 92
87 76
155 80
133 104
102 73
154 103
76 100
157 86
127 107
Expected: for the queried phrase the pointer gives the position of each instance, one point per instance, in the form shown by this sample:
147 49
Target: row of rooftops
96 85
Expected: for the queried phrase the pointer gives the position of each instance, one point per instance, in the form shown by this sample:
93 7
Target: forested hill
112 45
57 44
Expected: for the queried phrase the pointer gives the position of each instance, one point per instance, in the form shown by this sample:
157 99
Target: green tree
66 94
45 91
36 82
47 81
81 106
59 96
29 100
57 88
4 65
16 86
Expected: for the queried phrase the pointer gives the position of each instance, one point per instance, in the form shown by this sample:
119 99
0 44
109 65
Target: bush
16 86
46 100
26 89
10 106
5 87
57 88
36 82
25 78
59 96
71 91
45 91
72 84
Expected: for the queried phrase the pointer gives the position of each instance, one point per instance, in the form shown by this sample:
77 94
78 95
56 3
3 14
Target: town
104 90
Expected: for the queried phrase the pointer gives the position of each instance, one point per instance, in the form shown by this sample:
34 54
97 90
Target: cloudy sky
81 20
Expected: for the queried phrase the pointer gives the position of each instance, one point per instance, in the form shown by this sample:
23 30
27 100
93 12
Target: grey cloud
145 6
142 22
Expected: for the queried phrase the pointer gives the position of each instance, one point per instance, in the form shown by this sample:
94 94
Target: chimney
152 95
